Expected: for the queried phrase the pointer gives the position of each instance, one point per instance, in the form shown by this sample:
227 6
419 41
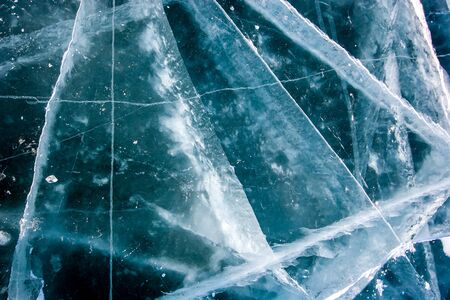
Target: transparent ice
229 149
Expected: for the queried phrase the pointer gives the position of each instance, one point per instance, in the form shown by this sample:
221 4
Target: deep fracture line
111 180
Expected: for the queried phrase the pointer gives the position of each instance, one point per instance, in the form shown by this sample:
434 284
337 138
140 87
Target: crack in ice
111 179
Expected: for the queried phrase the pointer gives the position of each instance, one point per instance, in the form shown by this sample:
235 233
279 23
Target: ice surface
224 149
214 207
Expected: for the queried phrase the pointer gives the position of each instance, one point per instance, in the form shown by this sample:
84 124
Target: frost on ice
235 149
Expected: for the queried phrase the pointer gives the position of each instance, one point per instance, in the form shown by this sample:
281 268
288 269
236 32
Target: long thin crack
40 99
94 127
44 100
143 104
16 155
111 179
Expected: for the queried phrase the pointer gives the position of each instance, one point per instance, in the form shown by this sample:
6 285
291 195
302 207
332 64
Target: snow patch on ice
5 238
373 162
379 286
446 245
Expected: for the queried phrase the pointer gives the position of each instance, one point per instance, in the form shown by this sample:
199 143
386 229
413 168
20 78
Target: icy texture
264 149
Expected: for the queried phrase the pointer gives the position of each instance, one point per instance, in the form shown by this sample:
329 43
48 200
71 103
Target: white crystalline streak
230 213
341 293
433 284
432 59
41 295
